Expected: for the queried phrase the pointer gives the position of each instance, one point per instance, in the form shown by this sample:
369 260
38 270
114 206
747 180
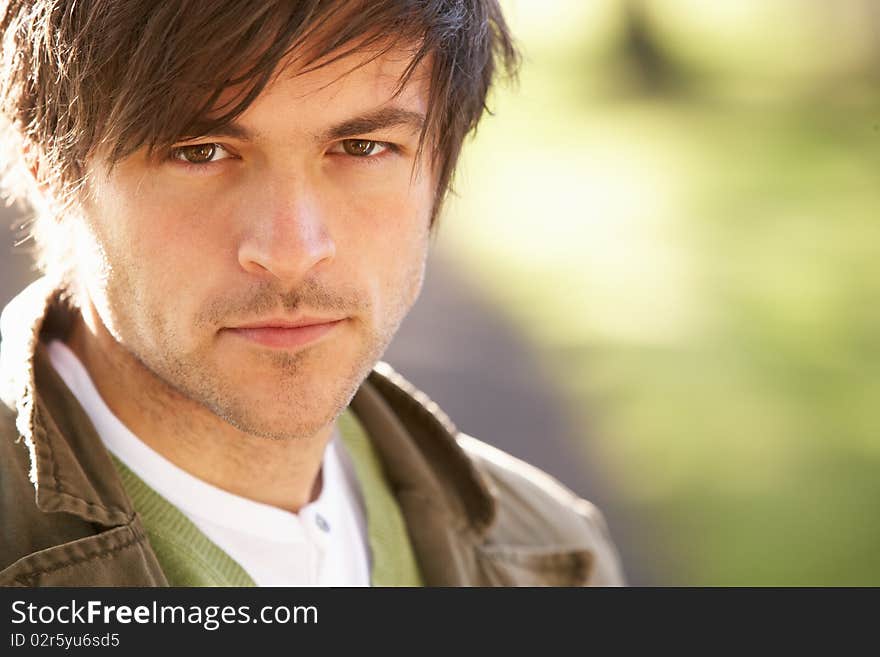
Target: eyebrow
380 119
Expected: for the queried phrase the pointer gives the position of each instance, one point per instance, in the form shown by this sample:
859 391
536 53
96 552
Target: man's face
202 264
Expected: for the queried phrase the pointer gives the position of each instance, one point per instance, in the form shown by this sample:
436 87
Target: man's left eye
363 147
200 153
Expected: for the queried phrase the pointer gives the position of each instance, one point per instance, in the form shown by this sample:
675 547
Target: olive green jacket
476 516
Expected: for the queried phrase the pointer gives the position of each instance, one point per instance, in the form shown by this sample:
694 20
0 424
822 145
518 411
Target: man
233 209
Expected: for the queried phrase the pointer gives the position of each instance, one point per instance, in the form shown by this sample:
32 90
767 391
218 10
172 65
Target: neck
281 473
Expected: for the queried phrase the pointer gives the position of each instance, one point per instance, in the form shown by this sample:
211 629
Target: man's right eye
199 153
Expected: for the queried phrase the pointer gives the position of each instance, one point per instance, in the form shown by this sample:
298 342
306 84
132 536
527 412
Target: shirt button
323 525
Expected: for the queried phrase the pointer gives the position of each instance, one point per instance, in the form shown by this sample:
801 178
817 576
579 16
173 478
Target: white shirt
324 544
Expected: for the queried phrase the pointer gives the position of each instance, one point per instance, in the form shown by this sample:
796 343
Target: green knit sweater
189 558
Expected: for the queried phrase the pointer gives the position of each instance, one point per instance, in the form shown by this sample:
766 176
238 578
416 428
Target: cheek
180 234
148 251
393 210
387 225
173 225
398 237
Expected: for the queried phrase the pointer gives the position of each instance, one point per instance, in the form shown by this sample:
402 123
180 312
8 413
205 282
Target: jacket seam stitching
38 431
91 505
102 554
57 483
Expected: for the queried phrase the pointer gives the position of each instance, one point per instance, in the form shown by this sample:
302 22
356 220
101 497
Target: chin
281 425
301 414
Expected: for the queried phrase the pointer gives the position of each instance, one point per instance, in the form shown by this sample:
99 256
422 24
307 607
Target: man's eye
363 147
200 153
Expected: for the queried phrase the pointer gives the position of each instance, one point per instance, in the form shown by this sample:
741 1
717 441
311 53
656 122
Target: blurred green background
677 205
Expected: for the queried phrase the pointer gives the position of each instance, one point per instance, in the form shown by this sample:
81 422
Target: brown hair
82 76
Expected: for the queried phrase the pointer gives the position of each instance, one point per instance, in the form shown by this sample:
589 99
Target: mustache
266 298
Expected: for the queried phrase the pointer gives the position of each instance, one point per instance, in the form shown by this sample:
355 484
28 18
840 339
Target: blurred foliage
678 204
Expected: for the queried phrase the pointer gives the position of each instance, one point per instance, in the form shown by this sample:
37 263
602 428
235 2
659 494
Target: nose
286 237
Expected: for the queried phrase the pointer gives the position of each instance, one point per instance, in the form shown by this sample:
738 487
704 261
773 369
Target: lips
288 324
285 334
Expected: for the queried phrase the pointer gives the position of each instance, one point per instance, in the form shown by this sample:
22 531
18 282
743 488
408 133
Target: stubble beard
308 408
299 407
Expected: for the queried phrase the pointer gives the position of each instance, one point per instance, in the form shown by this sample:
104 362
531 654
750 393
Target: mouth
285 334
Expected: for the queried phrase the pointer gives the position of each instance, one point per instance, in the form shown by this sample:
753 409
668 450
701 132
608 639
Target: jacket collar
65 464
415 439
423 444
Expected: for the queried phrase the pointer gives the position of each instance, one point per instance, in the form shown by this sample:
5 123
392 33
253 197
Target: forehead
309 96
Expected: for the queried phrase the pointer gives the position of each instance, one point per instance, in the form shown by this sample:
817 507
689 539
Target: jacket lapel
449 504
